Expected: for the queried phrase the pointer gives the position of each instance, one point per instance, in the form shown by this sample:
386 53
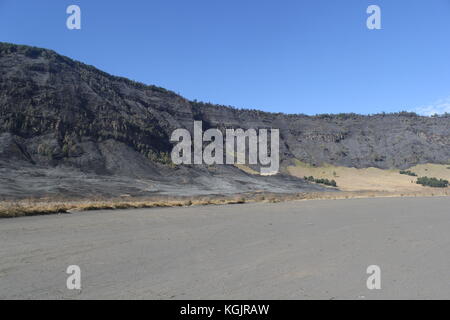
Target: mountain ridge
36 51
55 112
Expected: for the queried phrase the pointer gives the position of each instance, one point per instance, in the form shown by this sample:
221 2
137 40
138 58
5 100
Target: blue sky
292 56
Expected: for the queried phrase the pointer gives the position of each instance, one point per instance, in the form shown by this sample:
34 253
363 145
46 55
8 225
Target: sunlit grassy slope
371 179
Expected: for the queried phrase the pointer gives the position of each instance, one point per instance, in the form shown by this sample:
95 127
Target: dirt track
292 250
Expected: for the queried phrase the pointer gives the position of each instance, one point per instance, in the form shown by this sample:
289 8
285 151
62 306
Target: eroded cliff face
56 111
383 141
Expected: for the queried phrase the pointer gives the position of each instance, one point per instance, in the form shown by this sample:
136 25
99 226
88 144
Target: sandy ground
292 250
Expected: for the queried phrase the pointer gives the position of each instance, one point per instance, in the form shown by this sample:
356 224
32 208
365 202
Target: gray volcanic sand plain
24 181
293 250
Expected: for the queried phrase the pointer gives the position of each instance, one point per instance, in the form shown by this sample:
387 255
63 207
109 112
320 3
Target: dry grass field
13 209
373 179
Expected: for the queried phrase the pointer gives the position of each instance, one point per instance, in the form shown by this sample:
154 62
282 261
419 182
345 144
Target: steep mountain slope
58 113
383 141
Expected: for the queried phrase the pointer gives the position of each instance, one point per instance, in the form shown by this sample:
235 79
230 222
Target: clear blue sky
296 56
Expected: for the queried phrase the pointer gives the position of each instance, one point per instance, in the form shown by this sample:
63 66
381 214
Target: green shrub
408 173
326 182
33 52
432 182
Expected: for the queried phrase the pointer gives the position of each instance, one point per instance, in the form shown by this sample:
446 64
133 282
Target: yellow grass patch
371 179
432 170
10 209
247 169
